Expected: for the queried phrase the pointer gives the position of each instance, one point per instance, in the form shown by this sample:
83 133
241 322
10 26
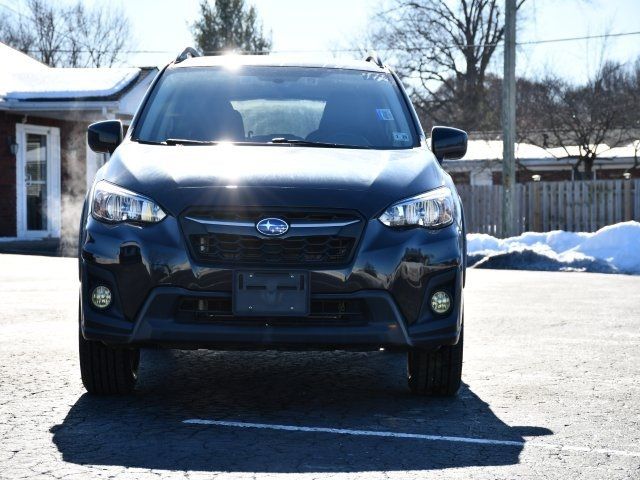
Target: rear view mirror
449 143
105 136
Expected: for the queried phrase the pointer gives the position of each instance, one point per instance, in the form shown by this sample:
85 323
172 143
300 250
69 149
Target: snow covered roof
68 83
15 61
627 151
492 150
575 150
24 79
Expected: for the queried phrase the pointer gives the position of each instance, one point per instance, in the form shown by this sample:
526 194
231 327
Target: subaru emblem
272 227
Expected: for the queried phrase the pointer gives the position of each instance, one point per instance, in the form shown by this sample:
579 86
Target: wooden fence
580 206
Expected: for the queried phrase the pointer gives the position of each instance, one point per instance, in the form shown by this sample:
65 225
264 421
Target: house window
36 182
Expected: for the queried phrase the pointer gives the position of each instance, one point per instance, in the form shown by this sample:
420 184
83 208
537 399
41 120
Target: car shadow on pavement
363 391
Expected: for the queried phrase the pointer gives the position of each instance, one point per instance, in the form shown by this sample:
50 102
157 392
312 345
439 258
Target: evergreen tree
229 25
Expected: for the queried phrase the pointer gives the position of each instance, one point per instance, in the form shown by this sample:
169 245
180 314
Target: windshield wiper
308 143
186 141
276 140
147 142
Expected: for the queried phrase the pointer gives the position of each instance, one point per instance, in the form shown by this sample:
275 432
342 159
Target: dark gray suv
261 204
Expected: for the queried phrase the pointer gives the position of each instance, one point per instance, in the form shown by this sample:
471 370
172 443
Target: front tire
436 373
107 370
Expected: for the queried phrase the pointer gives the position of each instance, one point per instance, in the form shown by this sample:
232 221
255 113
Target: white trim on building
53 214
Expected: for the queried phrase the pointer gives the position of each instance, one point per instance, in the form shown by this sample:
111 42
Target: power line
571 39
356 50
13 10
345 50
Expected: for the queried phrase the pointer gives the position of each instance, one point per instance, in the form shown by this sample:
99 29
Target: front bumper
151 272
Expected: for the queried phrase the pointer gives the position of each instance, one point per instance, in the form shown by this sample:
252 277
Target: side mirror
105 136
449 143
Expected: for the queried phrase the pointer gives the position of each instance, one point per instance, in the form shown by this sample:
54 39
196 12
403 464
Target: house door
38 181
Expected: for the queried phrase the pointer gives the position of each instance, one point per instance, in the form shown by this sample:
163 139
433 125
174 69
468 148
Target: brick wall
73 168
7 178
460 178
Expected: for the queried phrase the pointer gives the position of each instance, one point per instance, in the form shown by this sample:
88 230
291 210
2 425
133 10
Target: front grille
253 214
316 238
312 250
322 311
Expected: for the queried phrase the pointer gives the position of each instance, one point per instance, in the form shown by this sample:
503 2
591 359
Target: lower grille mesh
322 311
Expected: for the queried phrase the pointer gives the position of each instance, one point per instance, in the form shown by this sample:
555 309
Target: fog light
101 297
440 302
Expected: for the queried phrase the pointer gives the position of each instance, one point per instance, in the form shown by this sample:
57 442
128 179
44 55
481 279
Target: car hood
178 177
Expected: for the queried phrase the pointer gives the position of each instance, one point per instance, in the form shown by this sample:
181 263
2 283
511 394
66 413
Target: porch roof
67 84
27 85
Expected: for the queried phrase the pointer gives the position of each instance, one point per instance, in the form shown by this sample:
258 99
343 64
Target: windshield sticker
400 137
384 114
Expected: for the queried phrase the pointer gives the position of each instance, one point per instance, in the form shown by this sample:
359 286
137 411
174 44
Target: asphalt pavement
551 390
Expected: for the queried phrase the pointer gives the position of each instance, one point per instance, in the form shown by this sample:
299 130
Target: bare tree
15 33
97 36
446 49
40 33
601 112
61 36
634 119
636 157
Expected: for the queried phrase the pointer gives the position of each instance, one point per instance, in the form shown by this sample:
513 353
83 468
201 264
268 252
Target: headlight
111 203
434 209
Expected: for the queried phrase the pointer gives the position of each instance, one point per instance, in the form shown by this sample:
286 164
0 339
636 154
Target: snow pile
612 249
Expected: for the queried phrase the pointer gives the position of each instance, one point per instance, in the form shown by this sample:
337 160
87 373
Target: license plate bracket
260 293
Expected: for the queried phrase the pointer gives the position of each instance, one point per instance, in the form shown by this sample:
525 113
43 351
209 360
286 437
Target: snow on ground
612 249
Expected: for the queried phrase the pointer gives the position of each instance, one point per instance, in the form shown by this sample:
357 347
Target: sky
320 26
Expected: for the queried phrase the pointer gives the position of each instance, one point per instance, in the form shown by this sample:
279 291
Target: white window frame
53 182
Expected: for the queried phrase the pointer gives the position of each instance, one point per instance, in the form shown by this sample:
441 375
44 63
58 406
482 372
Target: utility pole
509 121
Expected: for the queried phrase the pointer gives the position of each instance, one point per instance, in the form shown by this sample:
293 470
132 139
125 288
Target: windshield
303 106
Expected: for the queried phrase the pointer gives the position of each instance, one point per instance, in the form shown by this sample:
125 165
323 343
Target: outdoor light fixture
101 297
13 145
627 175
536 178
440 302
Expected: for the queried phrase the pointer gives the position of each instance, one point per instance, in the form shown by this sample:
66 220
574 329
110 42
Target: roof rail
372 56
188 52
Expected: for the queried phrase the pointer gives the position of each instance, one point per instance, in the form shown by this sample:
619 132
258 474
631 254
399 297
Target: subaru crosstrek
259 204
